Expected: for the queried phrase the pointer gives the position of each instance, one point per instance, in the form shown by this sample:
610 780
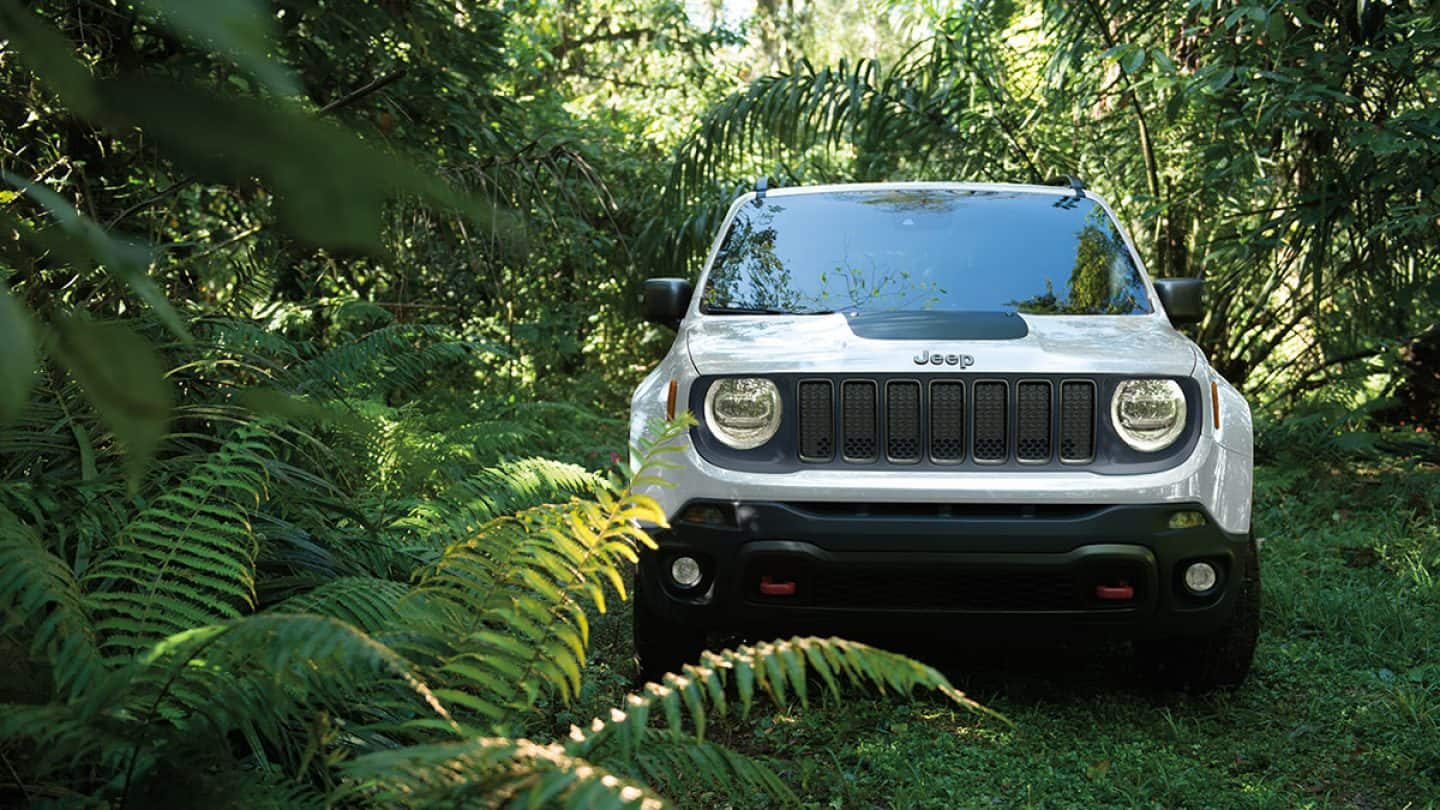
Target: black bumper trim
965 573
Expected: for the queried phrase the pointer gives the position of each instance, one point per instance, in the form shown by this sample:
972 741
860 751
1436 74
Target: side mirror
666 300
1181 298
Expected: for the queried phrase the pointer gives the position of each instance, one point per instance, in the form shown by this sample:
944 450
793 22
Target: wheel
662 646
1218 661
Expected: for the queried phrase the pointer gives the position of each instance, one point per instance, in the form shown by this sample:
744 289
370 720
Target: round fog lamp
685 571
1200 577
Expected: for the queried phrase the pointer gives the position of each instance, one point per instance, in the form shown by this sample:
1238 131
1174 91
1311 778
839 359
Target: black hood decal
937 325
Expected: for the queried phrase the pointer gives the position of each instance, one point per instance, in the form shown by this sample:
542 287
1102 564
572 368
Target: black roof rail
1068 180
762 184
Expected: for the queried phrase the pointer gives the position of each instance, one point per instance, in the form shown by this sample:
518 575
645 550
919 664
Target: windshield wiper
763 311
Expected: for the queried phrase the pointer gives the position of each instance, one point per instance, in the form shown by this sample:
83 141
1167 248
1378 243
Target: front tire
1218 661
662 646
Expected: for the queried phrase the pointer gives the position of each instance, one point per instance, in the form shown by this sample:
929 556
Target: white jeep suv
946 409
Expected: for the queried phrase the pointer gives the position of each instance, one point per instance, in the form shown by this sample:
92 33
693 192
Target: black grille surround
948 421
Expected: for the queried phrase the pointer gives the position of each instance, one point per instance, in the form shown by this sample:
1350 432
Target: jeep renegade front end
936 408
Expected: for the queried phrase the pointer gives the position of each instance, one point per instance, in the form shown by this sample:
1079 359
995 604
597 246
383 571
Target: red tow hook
1115 593
769 587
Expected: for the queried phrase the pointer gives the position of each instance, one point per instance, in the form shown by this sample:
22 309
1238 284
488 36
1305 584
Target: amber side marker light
1214 401
675 388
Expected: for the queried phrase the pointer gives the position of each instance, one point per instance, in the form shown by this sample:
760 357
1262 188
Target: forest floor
1341 709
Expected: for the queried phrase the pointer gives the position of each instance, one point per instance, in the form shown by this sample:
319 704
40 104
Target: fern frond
488 772
468 504
62 736
263 674
524 577
395 357
776 669
369 603
524 580
187 560
38 592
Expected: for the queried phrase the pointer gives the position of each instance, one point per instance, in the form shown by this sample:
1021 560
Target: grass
1342 708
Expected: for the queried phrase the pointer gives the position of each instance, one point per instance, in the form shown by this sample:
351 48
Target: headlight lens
743 412
1148 414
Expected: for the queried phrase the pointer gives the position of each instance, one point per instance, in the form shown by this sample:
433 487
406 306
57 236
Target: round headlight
1148 414
743 412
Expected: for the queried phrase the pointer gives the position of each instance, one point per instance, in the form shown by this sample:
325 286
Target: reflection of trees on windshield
924 249
1101 280
851 286
748 272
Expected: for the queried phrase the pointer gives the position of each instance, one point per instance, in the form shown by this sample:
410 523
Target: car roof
1024 188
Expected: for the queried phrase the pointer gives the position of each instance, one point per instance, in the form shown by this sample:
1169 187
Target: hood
841 342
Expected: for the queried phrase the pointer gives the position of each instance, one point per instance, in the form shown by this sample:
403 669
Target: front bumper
1011 571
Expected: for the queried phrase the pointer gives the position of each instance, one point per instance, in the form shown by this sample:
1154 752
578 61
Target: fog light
1200 577
1188 519
685 571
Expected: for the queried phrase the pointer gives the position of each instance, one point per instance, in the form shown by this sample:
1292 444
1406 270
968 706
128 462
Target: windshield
925 249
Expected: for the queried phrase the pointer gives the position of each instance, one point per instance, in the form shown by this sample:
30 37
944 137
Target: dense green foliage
317 318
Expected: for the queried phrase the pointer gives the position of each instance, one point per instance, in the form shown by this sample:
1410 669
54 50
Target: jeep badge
961 360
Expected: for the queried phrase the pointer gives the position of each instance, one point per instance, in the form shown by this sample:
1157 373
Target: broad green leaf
124 378
243 30
1133 60
86 242
17 357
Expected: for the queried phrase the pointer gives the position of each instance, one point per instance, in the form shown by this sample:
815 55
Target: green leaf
241 29
1133 60
17 357
124 379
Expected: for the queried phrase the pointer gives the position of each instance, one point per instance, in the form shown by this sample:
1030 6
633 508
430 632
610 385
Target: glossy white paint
741 344
1218 473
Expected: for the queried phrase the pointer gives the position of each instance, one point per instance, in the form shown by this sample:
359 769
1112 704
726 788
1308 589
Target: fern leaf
490 771
775 669
524 581
263 674
39 592
187 560
369 603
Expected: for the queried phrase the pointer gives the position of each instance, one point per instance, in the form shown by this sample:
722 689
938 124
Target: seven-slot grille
947 421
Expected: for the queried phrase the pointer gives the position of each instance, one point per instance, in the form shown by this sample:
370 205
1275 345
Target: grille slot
1032 421
817 420
991 421
902 421
858 420
947 421
1077 420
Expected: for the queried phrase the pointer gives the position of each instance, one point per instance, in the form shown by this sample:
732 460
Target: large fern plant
259 628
